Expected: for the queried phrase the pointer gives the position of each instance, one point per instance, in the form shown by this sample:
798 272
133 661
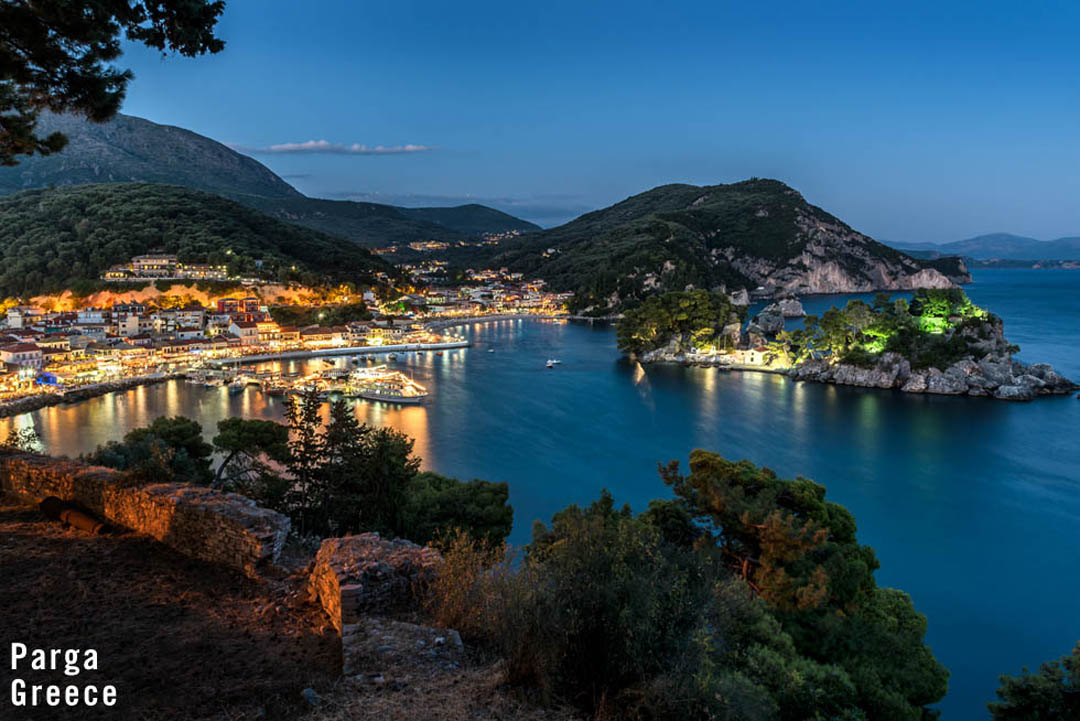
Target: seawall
26 404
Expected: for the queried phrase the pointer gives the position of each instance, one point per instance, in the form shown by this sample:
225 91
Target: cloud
325 147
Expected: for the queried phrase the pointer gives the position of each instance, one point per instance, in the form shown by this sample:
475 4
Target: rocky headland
952 347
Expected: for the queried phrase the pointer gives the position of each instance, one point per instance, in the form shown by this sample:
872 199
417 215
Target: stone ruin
358 579
200 522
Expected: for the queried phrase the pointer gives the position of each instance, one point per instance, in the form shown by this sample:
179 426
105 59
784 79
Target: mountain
61 238
1002 245
130 149
371 225
473 219
757 235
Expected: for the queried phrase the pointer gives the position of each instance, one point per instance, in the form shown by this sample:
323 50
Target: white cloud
328 148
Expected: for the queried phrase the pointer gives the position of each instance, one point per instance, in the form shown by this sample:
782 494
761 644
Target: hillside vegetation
473 219
51 240
746 235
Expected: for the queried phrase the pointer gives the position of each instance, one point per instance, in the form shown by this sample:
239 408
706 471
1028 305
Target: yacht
393 391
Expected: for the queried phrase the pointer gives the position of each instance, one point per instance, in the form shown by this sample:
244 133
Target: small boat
438 352
491 350
550 364
392 356
237 386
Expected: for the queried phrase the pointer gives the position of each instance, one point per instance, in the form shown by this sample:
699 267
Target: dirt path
178 638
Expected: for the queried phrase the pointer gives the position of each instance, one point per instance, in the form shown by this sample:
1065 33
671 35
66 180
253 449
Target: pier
324 352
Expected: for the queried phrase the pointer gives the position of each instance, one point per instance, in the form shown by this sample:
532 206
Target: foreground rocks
354 575
358 579
999 377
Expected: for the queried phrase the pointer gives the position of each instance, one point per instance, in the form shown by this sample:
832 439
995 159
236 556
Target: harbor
362 381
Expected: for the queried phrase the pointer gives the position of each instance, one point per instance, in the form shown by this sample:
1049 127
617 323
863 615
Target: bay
973 505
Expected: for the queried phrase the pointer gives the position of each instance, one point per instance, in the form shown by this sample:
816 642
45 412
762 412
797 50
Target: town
45 351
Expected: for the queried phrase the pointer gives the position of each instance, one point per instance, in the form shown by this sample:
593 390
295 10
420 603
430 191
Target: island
938 342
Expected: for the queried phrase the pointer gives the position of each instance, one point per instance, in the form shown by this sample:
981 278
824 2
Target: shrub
435 505
603 612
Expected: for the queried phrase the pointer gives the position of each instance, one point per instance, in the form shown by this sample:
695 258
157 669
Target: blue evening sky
912 121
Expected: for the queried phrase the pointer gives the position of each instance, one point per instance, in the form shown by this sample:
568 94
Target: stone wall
200 522
356 577
367 573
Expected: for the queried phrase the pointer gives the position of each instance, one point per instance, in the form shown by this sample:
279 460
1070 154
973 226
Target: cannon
69 513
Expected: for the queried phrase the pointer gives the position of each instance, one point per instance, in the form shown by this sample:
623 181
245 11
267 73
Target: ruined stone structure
367 573
200 522
356 578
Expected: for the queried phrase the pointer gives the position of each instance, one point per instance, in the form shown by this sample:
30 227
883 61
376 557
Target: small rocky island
939 342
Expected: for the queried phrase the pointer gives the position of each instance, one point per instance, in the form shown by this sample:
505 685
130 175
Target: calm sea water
973 505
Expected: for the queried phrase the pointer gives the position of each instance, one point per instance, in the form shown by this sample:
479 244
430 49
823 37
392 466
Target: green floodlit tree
57 56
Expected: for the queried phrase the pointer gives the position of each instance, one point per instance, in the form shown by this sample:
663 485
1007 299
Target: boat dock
323 352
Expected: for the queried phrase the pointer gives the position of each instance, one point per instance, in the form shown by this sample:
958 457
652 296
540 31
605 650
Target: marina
373 383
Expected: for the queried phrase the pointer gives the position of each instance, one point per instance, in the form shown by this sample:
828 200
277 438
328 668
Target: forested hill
473 219
51 240
130 149
754 235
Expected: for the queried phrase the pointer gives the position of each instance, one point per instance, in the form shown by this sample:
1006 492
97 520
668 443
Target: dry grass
473 693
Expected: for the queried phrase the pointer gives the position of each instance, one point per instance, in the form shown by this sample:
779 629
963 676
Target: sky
911 121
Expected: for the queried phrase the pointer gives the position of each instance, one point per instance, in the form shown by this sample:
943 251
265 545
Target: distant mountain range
1000 246
758 235
130 149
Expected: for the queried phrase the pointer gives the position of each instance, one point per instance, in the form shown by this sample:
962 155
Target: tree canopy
938 327
57 56
1051 693
696 318
53 240
799 554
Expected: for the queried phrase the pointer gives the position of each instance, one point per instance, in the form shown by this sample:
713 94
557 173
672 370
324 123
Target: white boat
238 386
491 350
392 356
393 391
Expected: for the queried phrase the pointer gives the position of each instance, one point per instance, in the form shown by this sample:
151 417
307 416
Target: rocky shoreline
1003 379
1000 378
28 404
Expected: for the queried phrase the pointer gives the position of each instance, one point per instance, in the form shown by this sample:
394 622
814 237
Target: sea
972 504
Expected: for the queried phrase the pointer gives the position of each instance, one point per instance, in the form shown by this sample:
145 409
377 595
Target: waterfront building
247 332
23 355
